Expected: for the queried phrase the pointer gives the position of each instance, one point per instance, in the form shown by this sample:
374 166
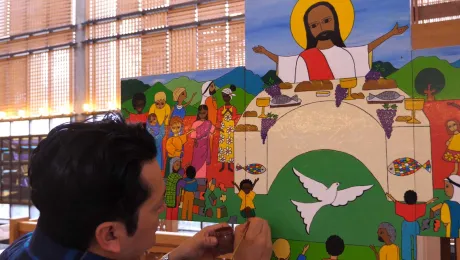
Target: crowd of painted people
162 121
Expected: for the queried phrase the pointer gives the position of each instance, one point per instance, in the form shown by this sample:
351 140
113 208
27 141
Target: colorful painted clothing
211 103
247 201
171 189
450 216
201 156
174 148
227 117
191 186
162 114
158 132
410 227
301 257
174 145
137 118
452 153
171 198
389 252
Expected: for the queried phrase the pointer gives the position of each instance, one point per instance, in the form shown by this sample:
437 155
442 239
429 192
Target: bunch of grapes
386 117
267 123
340 94
373 75
273 91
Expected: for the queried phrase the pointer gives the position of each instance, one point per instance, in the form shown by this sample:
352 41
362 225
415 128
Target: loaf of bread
379 84
317 85
250 114
246 128
285 85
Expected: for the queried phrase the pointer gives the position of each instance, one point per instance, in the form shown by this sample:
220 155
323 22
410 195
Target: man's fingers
213 228
256 226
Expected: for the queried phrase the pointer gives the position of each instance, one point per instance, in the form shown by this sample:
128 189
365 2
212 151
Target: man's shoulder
17 250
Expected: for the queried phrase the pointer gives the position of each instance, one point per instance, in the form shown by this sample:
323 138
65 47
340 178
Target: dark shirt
37 246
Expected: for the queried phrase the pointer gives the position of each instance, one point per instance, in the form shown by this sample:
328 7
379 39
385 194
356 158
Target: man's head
386 233
452 187
335 245
138 102
322 24
410 197
190 172
209 88
246 185
98 187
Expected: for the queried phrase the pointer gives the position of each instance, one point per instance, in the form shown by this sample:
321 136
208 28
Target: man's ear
108 236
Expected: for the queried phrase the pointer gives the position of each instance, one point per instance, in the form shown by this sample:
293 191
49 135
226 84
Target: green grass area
356 223
406 75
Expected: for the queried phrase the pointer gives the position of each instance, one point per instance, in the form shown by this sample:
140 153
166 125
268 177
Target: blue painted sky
196 75
451 54
267 24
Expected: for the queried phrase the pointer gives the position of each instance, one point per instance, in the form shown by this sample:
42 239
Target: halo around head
345 13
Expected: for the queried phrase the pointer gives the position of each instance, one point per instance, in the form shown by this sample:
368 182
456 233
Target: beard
380 239
212 92
326 35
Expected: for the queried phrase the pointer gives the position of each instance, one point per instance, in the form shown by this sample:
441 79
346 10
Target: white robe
344 63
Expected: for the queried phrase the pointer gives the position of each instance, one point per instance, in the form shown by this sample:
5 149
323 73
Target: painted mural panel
335 132
193 118
351 129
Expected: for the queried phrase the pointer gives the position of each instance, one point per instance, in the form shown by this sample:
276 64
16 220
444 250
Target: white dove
326 196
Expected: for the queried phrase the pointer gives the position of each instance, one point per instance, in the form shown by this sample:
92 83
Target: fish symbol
253 168
386 95
407 166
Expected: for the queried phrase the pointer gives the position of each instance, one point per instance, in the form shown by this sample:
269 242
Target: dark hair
138 97
410 197
337 37
335 245
245 181
233 88
87 173
201 107
190 172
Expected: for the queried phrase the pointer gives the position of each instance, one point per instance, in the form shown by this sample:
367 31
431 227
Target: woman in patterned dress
226 116
452 153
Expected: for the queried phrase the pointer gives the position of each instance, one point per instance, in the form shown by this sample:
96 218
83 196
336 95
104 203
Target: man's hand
259 49
398 30
373 248
257 244
202 246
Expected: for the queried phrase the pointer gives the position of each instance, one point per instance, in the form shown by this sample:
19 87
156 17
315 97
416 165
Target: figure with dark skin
323 32
226 117
139 100
246 194
386 233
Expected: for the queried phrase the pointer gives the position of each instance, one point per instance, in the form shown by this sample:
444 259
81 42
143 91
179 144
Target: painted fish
253 168
386 95
407 166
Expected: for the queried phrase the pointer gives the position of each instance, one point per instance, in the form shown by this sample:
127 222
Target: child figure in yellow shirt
247 195
161 109
175 143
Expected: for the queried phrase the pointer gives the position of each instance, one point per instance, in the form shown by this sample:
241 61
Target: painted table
352 128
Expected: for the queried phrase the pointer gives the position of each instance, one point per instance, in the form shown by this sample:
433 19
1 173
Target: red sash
317 65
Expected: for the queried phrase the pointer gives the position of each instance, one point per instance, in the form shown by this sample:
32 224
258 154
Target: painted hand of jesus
259 49
398 30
